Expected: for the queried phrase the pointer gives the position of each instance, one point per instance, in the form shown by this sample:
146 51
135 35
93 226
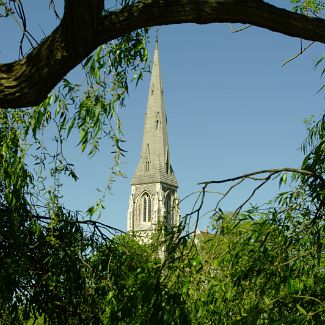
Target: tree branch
28 81
267 171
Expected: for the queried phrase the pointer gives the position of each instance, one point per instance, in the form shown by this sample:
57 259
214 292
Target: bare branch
270 175
302 50
237 211
266 171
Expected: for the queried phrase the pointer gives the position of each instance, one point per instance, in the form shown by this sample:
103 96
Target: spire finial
157 30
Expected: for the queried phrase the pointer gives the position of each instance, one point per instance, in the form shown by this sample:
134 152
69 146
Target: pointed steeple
154 187
154 165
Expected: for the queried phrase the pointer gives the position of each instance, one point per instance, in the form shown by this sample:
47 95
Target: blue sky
231 109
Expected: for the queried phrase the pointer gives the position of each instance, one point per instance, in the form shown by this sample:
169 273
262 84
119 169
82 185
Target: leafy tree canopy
59 267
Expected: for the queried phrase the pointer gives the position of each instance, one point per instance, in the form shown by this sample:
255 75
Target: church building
154 186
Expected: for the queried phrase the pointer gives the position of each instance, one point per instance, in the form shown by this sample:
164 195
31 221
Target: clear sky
231 109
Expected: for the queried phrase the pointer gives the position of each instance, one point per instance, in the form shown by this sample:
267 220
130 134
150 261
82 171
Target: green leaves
262 266
90 110
266 265
283 179
14 178
45 271
307 7
314 149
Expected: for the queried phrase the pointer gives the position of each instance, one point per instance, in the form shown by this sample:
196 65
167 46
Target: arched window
146 207
168 209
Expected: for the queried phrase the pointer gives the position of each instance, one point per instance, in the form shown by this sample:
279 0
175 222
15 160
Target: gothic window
146 207
168 209
167 163
138 213
147 159
157 121
147 165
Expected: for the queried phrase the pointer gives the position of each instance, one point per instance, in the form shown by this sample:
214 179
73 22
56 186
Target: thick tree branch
83 28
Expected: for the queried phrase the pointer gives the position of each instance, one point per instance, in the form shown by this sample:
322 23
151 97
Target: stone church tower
153 188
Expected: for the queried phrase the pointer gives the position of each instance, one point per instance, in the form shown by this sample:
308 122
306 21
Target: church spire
154 165
154 186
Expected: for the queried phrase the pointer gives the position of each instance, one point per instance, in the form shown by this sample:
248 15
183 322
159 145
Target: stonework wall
157 193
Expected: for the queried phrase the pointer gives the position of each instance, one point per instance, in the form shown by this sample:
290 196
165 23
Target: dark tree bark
84 27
